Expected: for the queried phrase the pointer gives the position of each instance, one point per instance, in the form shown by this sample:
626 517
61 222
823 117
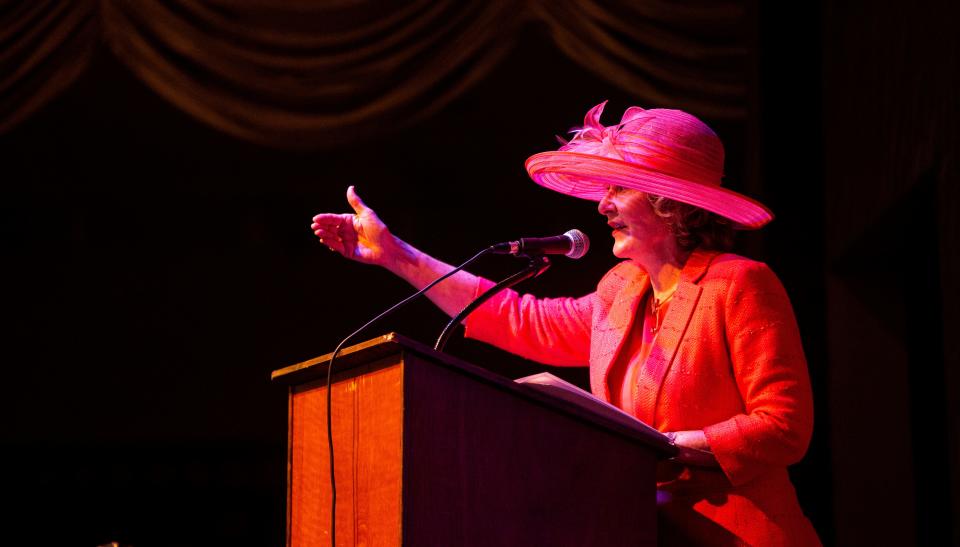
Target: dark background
156 270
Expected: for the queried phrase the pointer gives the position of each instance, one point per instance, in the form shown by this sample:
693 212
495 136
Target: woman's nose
605 206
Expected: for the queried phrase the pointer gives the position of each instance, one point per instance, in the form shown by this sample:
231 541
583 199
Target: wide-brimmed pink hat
663 152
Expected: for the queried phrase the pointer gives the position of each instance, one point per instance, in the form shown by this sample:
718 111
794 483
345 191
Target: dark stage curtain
891 145
308 74
44 46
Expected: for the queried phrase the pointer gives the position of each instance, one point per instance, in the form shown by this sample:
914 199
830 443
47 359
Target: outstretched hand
361 236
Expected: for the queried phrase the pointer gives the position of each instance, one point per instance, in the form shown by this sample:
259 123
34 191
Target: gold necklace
655 309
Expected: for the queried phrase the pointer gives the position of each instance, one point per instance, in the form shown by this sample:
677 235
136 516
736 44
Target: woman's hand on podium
361 236
694 448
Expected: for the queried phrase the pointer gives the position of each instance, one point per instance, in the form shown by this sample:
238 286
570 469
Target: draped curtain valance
304 73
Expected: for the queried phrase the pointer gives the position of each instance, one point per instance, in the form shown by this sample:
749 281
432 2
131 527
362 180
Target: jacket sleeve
771 375
554 331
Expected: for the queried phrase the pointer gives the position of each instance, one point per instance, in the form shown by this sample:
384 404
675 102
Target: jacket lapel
618 324
671 333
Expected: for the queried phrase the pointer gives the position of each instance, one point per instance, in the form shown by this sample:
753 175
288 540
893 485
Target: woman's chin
618 244
623 247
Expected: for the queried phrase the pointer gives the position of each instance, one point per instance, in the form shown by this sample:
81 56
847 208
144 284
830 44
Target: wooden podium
433 451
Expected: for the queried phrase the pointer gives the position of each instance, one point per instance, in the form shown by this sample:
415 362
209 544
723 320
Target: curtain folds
309 74
44 46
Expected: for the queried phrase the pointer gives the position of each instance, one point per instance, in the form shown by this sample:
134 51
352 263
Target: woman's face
636 228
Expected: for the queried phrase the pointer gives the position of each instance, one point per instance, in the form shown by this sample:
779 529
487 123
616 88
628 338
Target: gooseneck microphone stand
536 265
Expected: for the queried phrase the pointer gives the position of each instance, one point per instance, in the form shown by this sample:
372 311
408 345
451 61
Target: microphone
573 244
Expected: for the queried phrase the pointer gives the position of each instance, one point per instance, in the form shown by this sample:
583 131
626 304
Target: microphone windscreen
580 243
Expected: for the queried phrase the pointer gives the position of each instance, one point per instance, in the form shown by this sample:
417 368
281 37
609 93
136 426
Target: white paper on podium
548 383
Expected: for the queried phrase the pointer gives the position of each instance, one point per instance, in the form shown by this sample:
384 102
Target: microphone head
580 243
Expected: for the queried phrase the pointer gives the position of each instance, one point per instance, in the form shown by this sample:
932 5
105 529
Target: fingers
354 200
333 230
330 219
335 243
330 225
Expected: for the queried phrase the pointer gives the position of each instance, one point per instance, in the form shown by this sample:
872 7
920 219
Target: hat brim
587 176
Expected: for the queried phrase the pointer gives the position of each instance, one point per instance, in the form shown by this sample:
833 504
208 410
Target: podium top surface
392 343
348 358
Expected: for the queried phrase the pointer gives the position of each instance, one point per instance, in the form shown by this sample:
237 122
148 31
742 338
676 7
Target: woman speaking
699 343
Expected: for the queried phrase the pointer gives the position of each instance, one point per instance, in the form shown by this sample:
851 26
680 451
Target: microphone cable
333 357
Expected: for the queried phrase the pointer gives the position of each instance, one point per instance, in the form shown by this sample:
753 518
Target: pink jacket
727 360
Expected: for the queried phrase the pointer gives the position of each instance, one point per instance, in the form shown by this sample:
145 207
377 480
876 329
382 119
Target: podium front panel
367 435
